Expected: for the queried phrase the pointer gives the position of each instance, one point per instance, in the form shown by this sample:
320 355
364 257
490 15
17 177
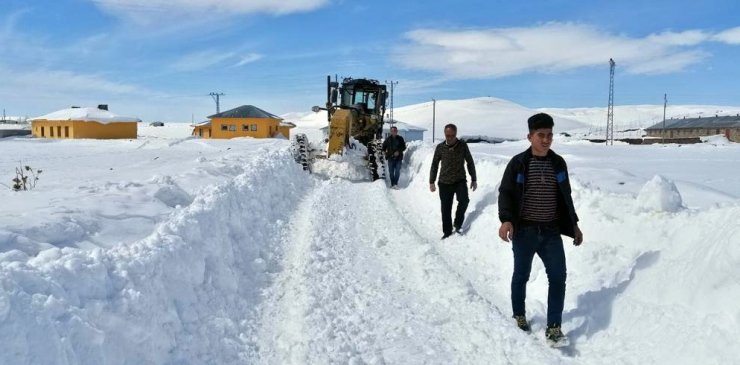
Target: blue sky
159 59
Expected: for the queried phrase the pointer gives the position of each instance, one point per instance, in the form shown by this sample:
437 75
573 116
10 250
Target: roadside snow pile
181 295
716 140
669 278
659 195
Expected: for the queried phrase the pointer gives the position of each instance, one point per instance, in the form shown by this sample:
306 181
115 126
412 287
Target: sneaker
459 231
555 337
521 322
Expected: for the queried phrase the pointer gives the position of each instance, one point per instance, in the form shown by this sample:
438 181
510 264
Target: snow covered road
362 286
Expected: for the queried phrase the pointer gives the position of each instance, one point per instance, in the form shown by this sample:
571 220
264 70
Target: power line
217 98
610 109
392 83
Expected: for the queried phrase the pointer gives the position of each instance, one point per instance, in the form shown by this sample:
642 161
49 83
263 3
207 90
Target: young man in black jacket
535 208
393 146
454 155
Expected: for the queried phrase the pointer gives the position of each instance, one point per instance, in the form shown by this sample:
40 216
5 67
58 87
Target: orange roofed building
244 121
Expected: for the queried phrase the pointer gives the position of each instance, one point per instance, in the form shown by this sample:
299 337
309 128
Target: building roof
206 123
732 121
86 115
245 111
401 126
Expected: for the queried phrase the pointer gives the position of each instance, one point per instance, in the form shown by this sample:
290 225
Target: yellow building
75 122
244 121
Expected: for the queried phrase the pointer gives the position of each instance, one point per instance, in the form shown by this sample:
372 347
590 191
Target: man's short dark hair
394 127
451 126
539 121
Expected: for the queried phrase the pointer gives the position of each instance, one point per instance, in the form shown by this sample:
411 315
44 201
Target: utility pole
665 104
217 98
392 83
610 109
434 116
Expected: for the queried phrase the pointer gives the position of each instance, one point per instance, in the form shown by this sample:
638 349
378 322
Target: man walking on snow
535 208
393 146
454 155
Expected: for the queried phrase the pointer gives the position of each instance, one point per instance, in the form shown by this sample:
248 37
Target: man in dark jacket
393 146
454 155
535 208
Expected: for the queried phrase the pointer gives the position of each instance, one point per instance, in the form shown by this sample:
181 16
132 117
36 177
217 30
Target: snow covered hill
636 116
501 119
174 250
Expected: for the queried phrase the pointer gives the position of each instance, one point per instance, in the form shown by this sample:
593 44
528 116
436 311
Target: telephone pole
610 111
392 83
665 104
434 116
217 98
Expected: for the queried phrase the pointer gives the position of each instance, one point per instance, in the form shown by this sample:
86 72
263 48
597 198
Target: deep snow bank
181 295
653 279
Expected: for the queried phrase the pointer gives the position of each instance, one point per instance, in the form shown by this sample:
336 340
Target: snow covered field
173 250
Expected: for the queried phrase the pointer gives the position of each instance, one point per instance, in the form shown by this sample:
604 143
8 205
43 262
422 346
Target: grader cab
355 110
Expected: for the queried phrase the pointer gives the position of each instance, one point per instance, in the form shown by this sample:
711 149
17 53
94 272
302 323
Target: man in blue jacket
535 208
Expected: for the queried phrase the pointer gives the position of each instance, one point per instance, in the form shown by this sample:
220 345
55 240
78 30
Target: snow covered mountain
498 118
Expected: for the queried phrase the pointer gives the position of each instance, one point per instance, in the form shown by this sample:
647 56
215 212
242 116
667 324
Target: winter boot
521 322
555 337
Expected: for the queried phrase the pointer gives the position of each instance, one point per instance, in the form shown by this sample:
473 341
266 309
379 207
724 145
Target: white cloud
552 47
201 60
50 82
210 58
729 36
687 38
252 57
147 10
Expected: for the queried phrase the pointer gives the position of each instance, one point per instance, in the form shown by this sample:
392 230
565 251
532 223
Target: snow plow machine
355 111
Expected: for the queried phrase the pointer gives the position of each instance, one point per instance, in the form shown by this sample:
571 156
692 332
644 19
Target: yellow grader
355 112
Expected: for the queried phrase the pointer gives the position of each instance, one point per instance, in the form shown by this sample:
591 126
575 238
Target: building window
224 127
253 127
245 127
232 128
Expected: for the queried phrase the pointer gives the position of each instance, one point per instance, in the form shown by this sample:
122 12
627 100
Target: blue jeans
545 241
394 166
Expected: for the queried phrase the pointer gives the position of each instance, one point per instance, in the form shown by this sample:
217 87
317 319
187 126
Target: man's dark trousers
545 241
394 165
447 194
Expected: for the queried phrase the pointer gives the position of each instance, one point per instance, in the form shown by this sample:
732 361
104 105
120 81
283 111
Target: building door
66 131
727 133
59 131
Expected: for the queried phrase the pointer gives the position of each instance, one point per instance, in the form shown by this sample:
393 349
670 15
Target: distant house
76 122
405 130
244 121
729 126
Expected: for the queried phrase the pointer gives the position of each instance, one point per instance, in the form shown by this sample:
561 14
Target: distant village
250 121
100 123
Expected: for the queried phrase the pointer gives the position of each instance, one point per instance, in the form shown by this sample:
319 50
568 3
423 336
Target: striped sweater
540 192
